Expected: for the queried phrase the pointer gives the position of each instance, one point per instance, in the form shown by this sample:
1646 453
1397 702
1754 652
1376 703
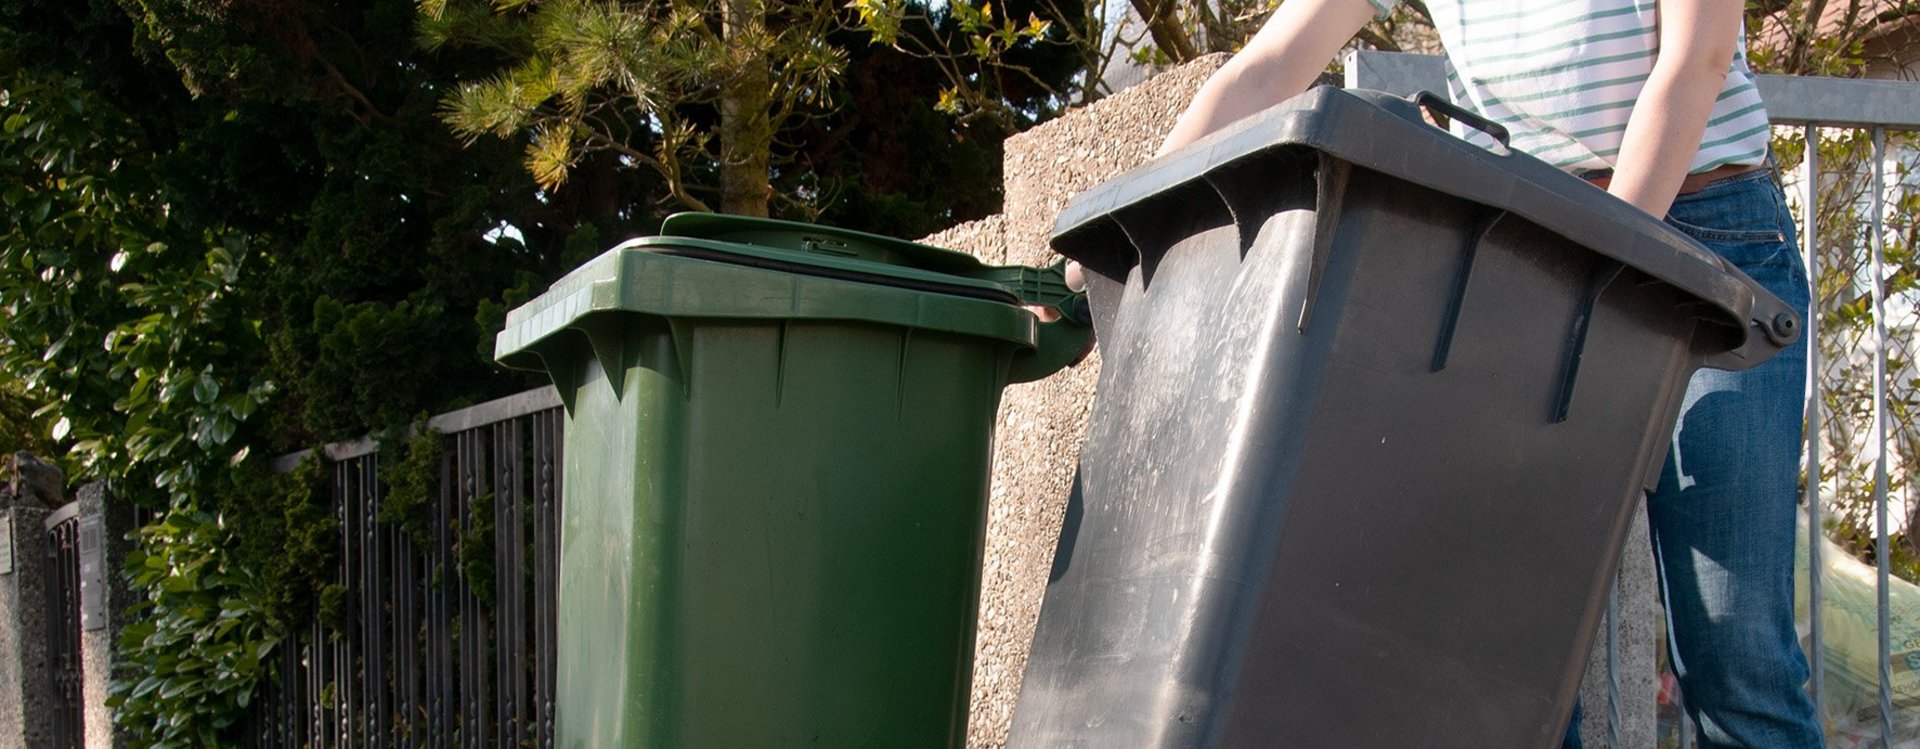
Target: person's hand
1076 279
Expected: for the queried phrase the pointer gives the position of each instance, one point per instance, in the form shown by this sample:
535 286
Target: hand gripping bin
1375 408
776 466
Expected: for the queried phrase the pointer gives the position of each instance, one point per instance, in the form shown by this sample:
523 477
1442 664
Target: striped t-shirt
1563 75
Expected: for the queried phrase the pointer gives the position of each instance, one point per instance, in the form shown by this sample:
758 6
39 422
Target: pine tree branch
675 187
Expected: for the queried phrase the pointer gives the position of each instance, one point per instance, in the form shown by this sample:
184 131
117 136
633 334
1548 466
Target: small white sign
6 543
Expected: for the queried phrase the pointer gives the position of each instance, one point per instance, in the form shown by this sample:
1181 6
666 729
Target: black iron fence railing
63 624
441 643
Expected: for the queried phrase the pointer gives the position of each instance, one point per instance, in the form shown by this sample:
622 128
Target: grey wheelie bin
776 466
1375 409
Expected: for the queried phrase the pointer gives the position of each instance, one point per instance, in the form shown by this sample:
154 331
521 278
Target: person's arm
1278 62
1697 39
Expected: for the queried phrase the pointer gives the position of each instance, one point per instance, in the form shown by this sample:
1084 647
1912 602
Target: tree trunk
746 127
1165 28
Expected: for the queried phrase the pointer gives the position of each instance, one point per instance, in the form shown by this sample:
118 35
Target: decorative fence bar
442 644
63 624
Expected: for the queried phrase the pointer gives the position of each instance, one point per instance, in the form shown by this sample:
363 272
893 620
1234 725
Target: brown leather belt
1692 184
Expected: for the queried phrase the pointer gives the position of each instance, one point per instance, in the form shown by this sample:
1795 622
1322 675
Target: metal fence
63 624
425 653
1845 150
1861 420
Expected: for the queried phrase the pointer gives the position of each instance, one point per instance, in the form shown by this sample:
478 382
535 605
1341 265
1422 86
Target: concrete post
27 700
105 531
1632 716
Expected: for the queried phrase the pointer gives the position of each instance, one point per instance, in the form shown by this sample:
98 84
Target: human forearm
1697 41
1280 61
1661 138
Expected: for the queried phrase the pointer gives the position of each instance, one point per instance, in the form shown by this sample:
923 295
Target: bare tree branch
675 187
1165 27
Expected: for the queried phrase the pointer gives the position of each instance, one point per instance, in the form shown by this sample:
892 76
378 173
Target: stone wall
26 673
1041 424
28 702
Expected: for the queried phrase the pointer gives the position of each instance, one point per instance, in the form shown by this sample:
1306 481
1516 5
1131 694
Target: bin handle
1433 101
1043 287
1058 344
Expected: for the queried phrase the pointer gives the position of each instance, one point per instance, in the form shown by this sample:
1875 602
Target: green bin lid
815 250
715 266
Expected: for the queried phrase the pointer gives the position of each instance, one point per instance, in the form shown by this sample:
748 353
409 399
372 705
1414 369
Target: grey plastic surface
1374 409
1385 133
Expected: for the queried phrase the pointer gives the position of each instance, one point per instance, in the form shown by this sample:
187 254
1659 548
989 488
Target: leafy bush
219 591
202 638
134 327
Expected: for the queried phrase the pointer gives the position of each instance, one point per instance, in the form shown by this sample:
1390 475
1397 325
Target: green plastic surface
782 550
828 247
631 280
774 500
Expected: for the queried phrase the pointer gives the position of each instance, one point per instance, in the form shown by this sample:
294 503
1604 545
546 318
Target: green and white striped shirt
1563 75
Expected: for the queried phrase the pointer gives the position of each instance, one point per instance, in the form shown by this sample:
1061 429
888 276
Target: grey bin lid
1387 134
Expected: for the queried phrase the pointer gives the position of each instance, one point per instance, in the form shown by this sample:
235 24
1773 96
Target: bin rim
907 277
1384 133
738 233
637 280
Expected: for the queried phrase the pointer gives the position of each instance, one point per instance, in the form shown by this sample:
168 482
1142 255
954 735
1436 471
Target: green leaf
205 389
147 686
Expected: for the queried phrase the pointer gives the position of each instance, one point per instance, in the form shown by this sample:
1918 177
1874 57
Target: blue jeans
1722 514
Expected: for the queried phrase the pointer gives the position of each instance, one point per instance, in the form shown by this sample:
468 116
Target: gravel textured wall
26 681
97 645
1041 424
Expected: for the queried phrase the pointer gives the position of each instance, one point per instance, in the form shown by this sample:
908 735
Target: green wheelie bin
776 461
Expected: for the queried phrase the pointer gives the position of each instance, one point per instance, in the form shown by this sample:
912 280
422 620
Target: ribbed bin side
1449 534
1357 483
772 535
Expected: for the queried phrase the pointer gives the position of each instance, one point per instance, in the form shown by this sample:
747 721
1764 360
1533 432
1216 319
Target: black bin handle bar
1439 103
